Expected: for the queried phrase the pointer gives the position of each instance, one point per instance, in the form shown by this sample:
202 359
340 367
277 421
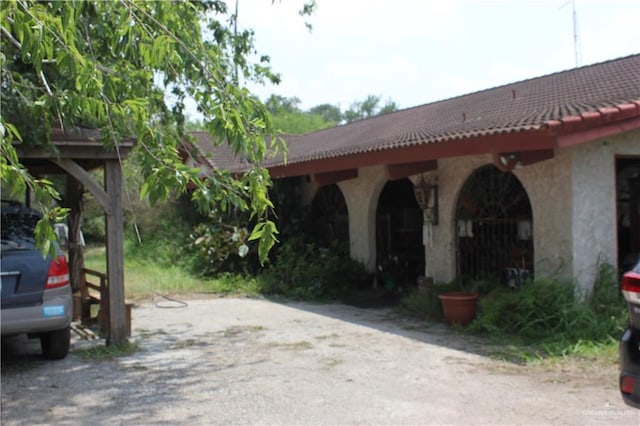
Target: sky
420 51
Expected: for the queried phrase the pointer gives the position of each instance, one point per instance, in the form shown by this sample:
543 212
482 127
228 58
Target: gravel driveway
247 361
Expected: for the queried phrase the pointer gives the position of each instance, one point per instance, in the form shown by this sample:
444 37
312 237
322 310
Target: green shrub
549 313
425 306
606 299
94 229
307 272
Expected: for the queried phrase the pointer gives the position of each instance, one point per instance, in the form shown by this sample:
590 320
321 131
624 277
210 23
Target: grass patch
327 336
107 352
293 346
185 344
545 320
144 278
239 329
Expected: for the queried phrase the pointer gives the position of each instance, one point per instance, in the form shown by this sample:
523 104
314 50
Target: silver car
36 294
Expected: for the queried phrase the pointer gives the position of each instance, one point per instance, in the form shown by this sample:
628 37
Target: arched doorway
494 227
329 216
399 249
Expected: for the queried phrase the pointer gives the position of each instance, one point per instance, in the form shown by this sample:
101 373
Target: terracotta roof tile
524 105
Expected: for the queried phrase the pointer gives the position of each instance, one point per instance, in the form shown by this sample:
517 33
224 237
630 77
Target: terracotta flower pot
459 307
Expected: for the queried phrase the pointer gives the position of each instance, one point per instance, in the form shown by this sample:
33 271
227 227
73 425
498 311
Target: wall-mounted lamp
427 197
506 162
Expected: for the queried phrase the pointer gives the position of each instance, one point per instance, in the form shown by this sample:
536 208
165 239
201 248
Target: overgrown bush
162 240
220 247
547 311
306 271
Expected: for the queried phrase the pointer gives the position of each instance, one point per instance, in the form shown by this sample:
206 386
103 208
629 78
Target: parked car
630 341
36 294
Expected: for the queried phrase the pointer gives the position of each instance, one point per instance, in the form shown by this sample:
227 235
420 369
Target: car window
18 227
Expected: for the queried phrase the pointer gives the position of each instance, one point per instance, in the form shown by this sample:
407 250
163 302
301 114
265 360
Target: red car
630 342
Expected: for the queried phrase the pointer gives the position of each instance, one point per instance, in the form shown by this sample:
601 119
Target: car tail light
58 273
631 287
626 384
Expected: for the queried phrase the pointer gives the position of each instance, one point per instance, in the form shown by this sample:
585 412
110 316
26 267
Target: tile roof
217 156
531 104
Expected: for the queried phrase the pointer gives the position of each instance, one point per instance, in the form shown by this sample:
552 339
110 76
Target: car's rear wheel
55 344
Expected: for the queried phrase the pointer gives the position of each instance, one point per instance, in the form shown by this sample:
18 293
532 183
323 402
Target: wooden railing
94 292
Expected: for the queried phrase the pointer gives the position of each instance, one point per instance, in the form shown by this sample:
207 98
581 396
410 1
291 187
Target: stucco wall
594 203
573 206
548 185
549 190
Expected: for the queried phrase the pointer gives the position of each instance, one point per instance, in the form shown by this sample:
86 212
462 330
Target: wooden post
115 253
75 192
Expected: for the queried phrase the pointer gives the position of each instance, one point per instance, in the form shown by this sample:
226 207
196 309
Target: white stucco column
548 185
594 204
361 195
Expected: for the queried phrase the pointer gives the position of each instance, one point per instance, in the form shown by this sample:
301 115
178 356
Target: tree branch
13 41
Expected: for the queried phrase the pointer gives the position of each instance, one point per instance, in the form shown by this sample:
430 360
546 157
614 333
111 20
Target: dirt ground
249 361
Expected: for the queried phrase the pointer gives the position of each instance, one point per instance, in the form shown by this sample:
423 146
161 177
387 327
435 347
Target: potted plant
460 299
459 307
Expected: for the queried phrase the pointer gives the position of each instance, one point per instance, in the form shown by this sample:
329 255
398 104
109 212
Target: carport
75 154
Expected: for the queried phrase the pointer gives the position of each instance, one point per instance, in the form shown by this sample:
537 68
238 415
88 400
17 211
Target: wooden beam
115 253
77 149
75 170
531 157
322 179
398 171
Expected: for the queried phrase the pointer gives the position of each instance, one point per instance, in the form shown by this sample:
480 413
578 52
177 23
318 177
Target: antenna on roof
235 34
576 40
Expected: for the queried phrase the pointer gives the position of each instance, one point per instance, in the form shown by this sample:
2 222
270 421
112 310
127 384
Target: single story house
540 177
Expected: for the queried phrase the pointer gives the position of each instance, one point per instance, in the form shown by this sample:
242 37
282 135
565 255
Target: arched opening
494 228
329 216
399 253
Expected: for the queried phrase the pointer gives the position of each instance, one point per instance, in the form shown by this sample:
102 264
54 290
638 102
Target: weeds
107 352
546 319
426 304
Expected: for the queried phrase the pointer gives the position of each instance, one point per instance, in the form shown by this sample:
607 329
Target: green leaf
144 191
266 233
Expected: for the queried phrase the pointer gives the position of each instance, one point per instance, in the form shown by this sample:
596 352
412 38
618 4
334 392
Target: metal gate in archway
329 216
494 227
